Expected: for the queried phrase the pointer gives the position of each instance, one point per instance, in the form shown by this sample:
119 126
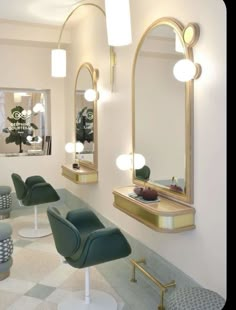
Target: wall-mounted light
91 95
79 147
118 30
185 70
125 161
39 107
71 147
118 22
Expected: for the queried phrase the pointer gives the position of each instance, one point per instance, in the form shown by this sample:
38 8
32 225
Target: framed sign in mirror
86 96
25 122
163 108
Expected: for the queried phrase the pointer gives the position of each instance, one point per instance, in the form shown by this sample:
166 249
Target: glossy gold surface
188 36
162 287
163 216
94 74
82 175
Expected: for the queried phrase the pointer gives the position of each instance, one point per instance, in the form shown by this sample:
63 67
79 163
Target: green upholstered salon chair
143 173
34 191
83 241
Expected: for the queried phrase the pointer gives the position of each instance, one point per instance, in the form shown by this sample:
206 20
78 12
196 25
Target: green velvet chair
83 241
143 173
34 191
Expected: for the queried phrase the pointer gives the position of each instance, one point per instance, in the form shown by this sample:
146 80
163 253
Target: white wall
200 253
28 66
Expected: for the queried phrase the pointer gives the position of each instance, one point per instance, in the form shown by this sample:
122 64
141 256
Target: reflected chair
83 241
34 191
143 173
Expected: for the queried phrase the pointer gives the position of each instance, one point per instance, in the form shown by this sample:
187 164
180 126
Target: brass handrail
163 287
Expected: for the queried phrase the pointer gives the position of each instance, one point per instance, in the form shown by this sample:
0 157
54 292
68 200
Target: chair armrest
84 220
40 193
104 245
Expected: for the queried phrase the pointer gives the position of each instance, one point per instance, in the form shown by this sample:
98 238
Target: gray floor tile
40 291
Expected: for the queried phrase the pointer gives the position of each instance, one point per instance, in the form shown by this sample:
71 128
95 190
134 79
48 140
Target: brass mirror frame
187 197
94 73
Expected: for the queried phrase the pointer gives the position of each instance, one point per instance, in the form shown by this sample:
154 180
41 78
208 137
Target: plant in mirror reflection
84 125
20 127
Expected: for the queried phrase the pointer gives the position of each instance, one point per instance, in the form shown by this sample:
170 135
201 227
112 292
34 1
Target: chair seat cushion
5 190
194 298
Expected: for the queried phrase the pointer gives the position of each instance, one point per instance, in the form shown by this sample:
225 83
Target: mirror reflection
85 116
24 122
161 119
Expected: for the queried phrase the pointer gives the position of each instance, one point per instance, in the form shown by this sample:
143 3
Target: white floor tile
16 285
25 303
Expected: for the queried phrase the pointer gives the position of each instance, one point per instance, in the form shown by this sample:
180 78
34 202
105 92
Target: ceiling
51 12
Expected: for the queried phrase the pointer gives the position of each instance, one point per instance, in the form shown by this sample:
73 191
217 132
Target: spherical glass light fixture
123 162
185 70
70 147
79 146
139 161
90 94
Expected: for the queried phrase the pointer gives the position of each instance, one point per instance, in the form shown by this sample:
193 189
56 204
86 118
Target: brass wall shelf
163 216
83 175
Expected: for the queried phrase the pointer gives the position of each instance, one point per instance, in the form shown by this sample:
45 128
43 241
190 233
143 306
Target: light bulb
58 63
69 147
90 94
38 108
79 147
139 161
184 70
123 162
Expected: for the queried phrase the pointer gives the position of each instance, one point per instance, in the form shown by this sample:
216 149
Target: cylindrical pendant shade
118 22
58 62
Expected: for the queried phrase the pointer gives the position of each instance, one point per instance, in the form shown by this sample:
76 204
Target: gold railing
162 287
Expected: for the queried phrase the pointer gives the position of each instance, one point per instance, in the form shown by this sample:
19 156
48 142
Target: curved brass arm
112 52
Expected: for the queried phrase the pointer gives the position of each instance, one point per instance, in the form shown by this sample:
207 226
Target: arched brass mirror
86 96
163 109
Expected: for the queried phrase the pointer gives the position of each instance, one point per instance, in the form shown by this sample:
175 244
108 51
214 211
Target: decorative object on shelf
174 186
20 127
138 190
149 194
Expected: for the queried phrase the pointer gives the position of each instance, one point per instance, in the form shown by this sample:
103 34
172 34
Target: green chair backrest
20 186
66 236
143 173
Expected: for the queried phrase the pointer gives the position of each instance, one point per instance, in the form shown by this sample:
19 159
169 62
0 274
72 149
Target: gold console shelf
163 216
82 175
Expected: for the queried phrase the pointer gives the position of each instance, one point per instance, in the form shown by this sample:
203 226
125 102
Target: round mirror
162 111
86 115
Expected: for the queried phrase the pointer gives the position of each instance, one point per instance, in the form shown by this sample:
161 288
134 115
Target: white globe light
90 94
184 70
123 162
69 147
29 138
79 147
38 108
139 161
